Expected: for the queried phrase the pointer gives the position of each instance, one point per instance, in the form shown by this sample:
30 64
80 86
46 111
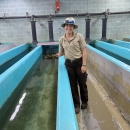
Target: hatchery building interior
64 64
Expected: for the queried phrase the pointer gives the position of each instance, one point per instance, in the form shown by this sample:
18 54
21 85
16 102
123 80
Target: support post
34 35
104 28
87 31
50 26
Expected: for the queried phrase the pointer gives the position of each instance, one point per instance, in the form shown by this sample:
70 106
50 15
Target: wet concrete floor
101 113
38 110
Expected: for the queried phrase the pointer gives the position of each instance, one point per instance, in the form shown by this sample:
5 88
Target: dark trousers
76 77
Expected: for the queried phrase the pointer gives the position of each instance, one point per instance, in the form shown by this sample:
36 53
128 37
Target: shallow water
38 108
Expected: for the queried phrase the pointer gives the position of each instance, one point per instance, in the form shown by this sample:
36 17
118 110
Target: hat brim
75 26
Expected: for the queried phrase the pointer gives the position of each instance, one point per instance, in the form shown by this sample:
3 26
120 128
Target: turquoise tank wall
16 73
10 79
118 52
66 118
6 46
123 44
7 55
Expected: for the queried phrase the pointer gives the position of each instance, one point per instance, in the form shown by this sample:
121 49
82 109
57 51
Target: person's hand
83 69
58 55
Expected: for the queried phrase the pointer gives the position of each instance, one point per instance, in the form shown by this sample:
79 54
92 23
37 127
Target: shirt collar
74 35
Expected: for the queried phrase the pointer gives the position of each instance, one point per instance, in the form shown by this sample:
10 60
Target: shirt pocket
75 43
65 45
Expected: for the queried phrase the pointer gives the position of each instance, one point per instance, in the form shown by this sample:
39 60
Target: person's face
69 28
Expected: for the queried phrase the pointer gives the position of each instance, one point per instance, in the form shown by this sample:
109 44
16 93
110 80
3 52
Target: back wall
19 30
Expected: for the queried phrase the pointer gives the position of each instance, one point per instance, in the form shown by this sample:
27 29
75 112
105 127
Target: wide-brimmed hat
71 21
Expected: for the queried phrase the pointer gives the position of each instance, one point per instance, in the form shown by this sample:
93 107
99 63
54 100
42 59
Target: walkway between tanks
101 114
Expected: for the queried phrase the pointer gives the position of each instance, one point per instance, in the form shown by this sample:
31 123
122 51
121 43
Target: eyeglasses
69 21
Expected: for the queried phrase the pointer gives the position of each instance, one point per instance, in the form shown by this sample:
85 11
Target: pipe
104 28
125 12
87 33
63 15
34 35
15 17
50 26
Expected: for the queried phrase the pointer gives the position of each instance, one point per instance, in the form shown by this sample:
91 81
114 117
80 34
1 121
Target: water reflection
88 121
18 107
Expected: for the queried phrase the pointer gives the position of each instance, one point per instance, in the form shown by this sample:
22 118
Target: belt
73 61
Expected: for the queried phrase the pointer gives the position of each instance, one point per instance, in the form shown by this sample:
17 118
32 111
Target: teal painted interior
7 55
118 52
123 44
50 49
12 61
66 118
112 59
16 73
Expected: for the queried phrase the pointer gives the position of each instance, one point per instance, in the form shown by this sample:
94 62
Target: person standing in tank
73 47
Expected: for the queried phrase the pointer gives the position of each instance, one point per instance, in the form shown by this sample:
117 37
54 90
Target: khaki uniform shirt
72 49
